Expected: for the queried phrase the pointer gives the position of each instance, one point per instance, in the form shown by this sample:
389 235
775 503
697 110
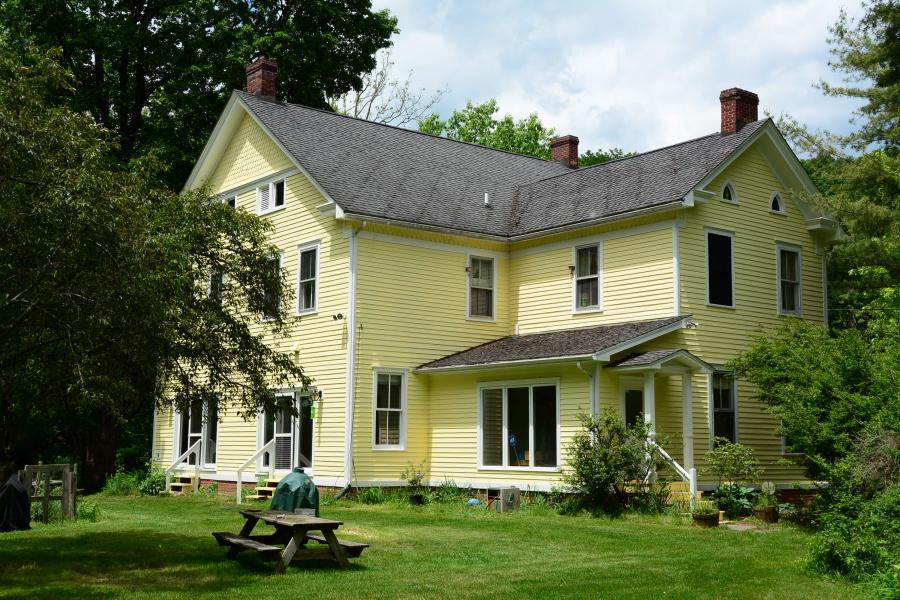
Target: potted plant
413 475
766 506
705 514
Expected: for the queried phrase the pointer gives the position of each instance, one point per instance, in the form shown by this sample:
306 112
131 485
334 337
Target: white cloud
637 75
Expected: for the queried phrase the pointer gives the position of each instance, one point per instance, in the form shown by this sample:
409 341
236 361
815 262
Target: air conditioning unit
510 498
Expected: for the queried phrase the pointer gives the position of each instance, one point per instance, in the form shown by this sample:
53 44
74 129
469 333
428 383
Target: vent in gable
262 196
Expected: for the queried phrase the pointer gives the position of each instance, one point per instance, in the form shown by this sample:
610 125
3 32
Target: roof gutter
503 363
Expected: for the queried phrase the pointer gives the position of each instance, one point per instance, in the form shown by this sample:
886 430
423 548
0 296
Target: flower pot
416 499
704 520
766 514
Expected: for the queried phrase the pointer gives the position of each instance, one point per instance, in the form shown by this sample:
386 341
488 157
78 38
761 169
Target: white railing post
265 449
693 487
178 462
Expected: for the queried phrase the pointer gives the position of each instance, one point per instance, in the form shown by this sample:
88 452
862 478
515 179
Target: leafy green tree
104 303
158 74
477 123
591 157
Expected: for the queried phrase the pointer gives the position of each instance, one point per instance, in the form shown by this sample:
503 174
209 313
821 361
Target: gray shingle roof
553 344
643 358
393 173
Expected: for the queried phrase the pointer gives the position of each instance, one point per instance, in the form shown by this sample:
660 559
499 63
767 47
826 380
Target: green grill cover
294 491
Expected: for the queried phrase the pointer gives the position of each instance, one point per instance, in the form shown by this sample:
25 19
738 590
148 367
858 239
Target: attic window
777 204
728 194
270 197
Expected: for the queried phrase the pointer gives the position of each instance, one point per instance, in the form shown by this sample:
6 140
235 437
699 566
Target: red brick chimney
261 76
565 150
738 108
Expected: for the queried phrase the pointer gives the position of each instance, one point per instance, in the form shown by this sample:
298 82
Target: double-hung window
272 300
719 268
789 297
308 289
587 277
270 196
519 425
390 403
481 287
724 405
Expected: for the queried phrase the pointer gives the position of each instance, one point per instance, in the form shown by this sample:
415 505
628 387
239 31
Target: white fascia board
342 214
683 356
606 354
216 143
501 364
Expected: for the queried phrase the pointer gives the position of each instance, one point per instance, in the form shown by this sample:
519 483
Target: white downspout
593 382
351 358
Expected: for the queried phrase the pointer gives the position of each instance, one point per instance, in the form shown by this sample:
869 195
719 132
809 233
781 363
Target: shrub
123 483
154 482
735 500
372 495
87 511
447 492
705 507
211 490
604 455
733 463
653 498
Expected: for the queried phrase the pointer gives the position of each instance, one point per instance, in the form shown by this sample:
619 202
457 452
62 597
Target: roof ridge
397 127
637 155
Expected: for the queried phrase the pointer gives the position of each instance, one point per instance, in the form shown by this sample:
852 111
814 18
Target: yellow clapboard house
461 306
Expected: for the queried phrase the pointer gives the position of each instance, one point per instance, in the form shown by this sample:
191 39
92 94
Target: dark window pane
383 391
482 303
517 416
587 262
492 427
212 429
395 391
232 201
544 426
718 252
272 300
634 406
279 193
308 264
727 194
723 406
587 292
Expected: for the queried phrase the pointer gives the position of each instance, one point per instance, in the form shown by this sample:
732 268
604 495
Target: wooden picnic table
288 542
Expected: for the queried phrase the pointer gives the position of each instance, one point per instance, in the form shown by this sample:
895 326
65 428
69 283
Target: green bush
123 483
604 455
446 493
653 499
733 463
858 537
735 500
154 482
87 511
372 495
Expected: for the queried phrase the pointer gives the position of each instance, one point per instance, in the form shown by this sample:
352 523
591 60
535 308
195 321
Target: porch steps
681 494
265 491
184 483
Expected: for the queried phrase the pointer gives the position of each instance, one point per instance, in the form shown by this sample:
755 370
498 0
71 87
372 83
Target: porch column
650 401
687 420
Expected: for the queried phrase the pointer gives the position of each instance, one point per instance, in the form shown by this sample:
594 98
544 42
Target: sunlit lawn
162 547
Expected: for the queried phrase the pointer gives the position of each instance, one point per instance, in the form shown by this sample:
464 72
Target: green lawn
162 547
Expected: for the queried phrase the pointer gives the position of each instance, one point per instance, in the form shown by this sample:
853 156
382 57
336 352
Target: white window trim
504 385
779 246
314 245
263 317
271 185
469 315
204 436
734 195
781 203
404 395
730 234
712 410
588 309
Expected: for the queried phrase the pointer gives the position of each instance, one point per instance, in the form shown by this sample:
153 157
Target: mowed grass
162 548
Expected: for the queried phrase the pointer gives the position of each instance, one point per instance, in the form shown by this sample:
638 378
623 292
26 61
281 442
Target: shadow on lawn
107 564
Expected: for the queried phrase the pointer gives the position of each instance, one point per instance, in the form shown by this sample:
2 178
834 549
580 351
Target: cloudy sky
634 75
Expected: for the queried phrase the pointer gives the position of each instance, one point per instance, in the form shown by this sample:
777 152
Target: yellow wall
321 340
637 280
725 332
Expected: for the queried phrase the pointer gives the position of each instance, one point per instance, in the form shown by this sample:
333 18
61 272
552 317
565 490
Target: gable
249 155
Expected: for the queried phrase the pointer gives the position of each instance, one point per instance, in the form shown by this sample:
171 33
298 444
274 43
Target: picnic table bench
289 541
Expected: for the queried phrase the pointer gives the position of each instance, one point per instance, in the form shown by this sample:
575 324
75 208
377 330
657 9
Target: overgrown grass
161 547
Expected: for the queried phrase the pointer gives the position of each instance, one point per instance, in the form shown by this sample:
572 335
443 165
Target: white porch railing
268 448
688 475
179 462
